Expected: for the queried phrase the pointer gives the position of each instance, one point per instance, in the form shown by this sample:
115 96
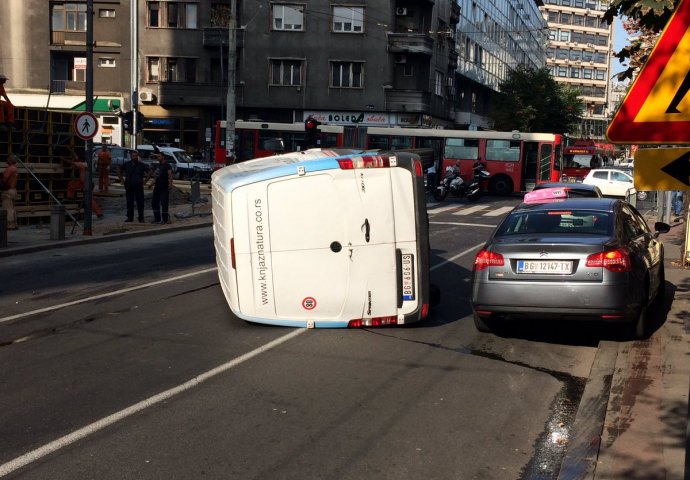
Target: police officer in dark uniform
136 174
161 190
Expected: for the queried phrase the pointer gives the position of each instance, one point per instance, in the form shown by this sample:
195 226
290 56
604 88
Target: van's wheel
501 185
434 295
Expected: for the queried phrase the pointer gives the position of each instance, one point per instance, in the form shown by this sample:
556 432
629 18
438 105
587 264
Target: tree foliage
532 101
644 21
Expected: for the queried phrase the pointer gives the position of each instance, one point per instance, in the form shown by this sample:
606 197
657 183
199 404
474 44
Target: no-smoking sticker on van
309 303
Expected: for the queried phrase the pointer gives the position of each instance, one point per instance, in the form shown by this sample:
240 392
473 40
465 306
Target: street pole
88 190
134 69
232 62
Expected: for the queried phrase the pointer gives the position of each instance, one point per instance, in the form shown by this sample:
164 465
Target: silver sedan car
573 259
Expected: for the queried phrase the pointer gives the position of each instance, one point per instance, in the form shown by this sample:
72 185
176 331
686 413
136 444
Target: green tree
532 101
644 20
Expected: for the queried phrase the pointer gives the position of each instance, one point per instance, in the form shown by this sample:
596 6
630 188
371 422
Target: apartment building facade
579 54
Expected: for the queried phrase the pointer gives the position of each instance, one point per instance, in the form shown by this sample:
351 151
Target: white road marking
461 254
104 295
468 210
98 425
434 211
459 224
497 212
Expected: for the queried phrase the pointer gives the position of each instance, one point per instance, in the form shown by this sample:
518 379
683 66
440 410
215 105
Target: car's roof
568 185
586 203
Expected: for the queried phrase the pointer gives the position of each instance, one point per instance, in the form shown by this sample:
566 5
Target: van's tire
440 194
501 185
434 295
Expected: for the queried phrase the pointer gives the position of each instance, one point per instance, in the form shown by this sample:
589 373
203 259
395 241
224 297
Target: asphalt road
122 360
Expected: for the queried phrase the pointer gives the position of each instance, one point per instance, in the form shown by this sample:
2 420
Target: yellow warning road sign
662 169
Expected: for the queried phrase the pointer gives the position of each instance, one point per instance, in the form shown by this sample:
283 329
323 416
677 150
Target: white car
611 182
628 162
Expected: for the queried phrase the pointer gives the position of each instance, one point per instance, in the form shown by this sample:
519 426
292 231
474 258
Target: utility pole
88 189
134 69
232 63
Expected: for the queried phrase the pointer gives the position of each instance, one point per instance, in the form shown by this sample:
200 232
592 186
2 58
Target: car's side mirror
661 227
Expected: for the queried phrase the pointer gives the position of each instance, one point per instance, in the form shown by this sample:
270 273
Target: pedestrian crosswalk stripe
467 211
442 209
497 212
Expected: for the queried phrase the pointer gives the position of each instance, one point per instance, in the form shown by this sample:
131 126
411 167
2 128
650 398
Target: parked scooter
454 184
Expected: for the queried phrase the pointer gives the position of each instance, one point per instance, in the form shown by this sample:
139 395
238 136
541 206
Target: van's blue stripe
293 323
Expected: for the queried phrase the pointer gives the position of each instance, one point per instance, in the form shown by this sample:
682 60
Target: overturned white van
323 238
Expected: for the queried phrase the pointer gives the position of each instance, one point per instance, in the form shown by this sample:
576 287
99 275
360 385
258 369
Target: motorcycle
454 184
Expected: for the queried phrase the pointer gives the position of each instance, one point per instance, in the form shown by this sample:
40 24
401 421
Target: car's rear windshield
587 222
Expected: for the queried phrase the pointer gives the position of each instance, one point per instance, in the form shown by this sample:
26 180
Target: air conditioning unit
400 59
590 45
146 96
401 11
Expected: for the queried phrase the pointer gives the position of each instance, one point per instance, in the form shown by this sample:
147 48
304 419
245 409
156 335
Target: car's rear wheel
638 327
661 290
482 324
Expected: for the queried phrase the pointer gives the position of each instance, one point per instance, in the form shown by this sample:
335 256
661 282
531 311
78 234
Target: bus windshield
578 161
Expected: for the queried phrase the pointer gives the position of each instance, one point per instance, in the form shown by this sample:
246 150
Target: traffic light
140 121
128 122
311 128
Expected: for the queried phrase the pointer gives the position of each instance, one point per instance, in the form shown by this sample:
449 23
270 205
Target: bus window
378 142
503 150
401 142
545 162
462 149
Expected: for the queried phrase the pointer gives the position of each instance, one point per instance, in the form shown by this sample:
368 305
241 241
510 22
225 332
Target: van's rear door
332 242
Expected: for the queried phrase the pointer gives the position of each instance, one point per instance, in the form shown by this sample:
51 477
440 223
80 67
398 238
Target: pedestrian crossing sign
656 109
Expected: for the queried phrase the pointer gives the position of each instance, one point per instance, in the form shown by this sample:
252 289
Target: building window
288 17
68 17
347 74
106 12
599 74
79 70
348 19
286 72
153 69
574 72
565 36
172 14
408 70
438 84
106 62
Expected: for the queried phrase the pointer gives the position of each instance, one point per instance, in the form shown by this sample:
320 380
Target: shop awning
100 105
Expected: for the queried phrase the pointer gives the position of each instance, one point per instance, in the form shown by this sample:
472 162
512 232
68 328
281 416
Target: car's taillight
485 259
372 322
232 253
617 260
368 161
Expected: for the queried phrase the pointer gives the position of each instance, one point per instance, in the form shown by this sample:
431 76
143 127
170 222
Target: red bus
252 138
516 160
583 155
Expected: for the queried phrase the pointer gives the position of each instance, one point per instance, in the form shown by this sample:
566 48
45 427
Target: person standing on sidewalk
677 203
9 191
104 160
80 184
136 173
161 190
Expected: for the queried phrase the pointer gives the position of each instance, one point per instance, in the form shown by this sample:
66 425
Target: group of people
136 175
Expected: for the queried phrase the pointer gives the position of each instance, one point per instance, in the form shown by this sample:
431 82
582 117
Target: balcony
67 38
195 94
215 37
454 13
453 56
407 100
410 43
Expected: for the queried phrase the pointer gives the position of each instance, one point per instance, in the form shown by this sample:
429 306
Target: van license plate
407 276
540 266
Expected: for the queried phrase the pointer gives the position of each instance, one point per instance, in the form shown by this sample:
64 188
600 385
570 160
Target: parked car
183 166
572 189
118 156
576 259
628 162
611 181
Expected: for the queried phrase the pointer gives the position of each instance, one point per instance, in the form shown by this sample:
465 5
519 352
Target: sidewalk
112 226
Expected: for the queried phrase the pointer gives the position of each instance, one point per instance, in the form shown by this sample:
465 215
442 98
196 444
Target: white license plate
407 276
558 267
